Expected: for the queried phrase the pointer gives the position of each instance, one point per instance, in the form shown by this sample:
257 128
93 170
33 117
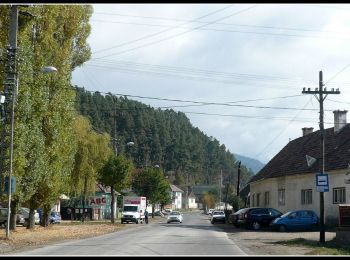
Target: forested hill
250 163
161 137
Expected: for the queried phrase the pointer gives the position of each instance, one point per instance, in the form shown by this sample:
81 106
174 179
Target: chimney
307 130
339 120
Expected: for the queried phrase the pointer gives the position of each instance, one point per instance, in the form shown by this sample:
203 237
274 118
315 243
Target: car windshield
130 208
218 213
286 214
175 213
241 211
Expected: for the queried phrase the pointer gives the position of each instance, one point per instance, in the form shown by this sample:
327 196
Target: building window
281 197
267 198
258 199
306 197
338 195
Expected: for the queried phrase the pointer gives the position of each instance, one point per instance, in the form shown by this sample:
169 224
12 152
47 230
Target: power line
337 73
225 24
283 130
163 31
238 31
190 73
173 36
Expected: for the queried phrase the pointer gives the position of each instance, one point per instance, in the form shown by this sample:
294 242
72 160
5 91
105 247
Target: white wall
293 186
192 203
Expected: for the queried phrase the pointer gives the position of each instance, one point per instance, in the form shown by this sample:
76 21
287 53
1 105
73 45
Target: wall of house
176 200
293 186
192 203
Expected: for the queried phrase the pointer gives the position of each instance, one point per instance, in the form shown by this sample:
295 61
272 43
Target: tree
209 200
116 173
44 109
92 152
152 184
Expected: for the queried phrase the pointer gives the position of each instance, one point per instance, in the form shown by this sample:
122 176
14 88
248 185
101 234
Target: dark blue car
296 220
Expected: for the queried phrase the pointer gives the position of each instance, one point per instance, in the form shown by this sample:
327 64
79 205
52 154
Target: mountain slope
251 163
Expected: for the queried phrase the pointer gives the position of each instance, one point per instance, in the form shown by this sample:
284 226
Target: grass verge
327 248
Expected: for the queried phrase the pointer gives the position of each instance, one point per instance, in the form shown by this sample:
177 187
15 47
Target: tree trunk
84 196
13 215
45 218
112 204
31 222
153 206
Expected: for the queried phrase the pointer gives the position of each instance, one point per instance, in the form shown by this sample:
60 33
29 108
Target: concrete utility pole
6 146
320 92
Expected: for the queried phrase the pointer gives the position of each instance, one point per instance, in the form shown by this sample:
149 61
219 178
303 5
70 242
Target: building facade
176 197
288 182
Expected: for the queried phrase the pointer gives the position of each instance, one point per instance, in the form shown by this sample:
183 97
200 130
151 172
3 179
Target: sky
236 70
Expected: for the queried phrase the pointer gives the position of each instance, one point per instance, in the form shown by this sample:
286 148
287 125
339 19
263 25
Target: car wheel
256 225
282 228
26 223
137 221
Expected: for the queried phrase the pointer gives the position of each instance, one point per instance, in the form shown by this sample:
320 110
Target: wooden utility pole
239 178
320 92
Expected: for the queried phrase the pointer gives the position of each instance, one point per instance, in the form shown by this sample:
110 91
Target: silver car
175 216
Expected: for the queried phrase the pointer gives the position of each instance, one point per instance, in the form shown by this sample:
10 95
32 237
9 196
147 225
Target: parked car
25 213
3 217
55 217
218 216
210 211
255 218
174 216
296 220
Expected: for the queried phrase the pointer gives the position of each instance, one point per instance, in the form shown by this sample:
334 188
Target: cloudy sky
238 69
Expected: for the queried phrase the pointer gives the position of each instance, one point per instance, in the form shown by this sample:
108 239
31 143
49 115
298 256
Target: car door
306 219
294 220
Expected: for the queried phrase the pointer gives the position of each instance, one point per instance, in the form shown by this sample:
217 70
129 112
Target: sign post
322 184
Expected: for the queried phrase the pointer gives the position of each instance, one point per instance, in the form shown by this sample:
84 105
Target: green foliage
44 142
116 172
92 152
208 200
162 137
152 184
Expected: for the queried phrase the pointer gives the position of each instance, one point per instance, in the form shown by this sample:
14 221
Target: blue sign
322 184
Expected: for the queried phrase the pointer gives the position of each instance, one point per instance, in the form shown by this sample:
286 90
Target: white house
288 183
192 204
176 197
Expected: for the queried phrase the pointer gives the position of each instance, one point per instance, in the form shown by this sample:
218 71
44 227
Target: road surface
194 236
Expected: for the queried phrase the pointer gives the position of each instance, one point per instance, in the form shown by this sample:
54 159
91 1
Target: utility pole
6 146
239 178
113 200
320 92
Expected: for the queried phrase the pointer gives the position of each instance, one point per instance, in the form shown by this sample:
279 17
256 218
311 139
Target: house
192 204
176 197
288 183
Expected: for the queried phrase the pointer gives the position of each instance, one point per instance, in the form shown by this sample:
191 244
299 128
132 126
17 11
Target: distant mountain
253 164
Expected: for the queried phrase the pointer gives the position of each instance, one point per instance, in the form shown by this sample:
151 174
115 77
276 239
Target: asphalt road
194 236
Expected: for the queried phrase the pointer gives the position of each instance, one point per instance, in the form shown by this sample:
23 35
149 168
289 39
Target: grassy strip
328 248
